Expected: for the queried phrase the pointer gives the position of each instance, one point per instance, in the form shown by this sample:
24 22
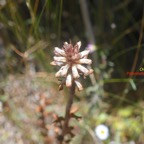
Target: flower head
102 132
71 61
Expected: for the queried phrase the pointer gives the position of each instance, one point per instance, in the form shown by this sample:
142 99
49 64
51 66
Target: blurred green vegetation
29 31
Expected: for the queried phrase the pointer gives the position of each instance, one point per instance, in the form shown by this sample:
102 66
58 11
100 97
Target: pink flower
71 62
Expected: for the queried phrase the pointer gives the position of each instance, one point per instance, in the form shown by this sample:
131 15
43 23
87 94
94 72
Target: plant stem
68 108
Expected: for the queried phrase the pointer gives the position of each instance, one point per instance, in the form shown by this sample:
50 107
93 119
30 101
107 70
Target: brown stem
68 108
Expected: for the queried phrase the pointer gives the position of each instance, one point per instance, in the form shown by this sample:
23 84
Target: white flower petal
69 80
57 63
59 52
79 85
83 69
66 43
102 132
84 53
79 44
75 72
85 61
63 71
60 59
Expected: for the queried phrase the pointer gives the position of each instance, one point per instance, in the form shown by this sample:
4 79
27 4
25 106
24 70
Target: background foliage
29 31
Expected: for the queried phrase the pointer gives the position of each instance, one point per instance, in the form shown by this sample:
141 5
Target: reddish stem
68 108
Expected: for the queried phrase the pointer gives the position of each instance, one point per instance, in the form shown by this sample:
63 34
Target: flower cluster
71 62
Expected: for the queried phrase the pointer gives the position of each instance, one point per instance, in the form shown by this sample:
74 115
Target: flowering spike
71 62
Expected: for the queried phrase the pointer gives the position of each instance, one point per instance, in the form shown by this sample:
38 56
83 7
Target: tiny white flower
102 132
